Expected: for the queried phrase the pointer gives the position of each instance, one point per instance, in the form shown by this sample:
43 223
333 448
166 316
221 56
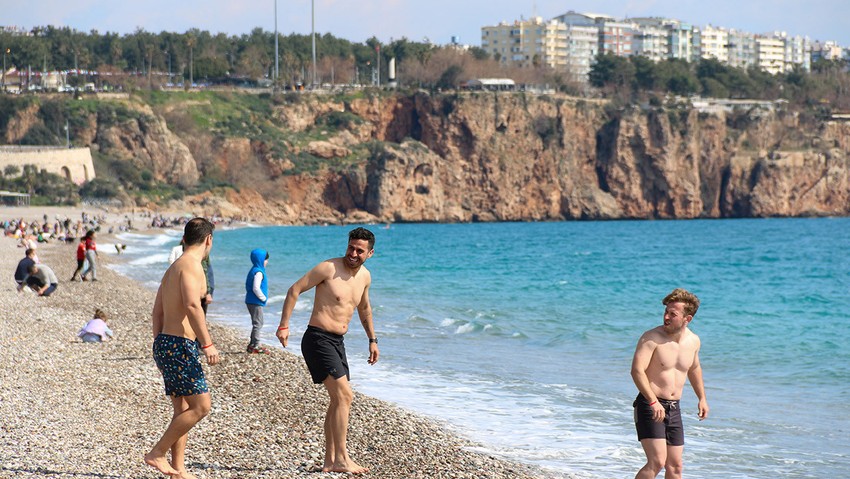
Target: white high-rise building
742 49
770 54
711 42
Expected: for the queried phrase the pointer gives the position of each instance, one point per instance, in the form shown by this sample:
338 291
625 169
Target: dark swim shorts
324 354
671 429
178 360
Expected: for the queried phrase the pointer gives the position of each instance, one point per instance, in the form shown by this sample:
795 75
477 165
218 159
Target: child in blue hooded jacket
256 296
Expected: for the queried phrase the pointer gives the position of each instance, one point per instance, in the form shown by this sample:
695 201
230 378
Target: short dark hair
29 251
362 234
197 230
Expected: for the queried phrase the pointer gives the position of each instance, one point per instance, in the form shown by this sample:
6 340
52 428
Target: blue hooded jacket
258 258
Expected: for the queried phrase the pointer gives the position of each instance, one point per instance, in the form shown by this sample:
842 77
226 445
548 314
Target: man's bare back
338 295
183 285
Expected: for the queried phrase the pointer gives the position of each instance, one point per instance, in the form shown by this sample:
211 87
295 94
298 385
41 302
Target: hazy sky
437 20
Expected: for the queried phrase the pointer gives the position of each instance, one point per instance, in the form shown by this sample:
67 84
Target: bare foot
349 468
184 475
160 464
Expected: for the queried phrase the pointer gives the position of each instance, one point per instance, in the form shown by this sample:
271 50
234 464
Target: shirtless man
664 357
342 285
180 335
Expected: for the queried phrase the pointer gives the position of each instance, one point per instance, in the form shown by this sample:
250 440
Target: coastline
73 409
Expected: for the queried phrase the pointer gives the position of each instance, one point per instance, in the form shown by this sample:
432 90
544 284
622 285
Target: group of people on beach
180 336
665 357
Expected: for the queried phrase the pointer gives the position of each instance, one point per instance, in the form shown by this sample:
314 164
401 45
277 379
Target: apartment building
710 42
582 48
770 54
532 42
651 42
615 37
679 36
828 50
742 49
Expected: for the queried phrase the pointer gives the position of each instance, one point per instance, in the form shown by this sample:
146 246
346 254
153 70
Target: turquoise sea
519 336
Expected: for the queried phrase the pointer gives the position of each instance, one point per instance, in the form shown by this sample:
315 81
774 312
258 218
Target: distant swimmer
342 285
180 335
665 356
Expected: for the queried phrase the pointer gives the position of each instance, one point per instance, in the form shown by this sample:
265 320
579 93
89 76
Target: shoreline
75 409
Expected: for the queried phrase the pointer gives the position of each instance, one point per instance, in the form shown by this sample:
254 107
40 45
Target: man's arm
695 377
158 314
364 310
308 281
190 280
643 355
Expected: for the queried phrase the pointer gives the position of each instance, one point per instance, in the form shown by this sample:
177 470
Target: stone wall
72 163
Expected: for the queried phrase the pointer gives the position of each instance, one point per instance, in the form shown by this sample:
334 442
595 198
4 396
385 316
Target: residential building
651 42
532 42
826 51
582 48
742 49
797 51
614 36
770 54
711 42
679 35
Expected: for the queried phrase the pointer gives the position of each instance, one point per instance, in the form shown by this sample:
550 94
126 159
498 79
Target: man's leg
673 466
656 457
336 427
178 450
197 407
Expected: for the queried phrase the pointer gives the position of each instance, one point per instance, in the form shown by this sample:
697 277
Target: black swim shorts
670 429
178 359
324 354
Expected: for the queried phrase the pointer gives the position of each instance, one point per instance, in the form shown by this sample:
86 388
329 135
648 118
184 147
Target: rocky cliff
490 157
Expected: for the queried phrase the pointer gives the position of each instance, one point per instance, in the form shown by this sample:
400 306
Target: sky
436 20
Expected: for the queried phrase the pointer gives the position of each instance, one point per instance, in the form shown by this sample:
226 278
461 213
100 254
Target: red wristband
653 403
207 346
281 329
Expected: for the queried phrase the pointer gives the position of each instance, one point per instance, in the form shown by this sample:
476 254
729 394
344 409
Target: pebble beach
72 409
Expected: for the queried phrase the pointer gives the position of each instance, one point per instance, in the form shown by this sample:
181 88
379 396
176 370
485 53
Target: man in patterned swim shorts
180 335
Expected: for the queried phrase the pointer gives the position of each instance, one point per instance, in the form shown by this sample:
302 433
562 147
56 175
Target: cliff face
489 157
510 157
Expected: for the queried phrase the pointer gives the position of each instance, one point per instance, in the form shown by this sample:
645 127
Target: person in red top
91 256
81 258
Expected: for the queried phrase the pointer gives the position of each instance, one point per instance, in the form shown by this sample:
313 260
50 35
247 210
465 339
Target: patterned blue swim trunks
178 360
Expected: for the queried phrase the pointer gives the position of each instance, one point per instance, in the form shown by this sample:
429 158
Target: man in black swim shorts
324 354
664 358
342 285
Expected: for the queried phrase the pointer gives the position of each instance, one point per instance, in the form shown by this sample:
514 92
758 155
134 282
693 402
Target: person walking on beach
342 285
81 259
91 257
256 297
665 356
180 335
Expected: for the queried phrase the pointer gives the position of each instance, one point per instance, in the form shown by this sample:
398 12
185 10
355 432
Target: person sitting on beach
23 269
96 330
342 285
41 279
665 356
256 296
180 335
